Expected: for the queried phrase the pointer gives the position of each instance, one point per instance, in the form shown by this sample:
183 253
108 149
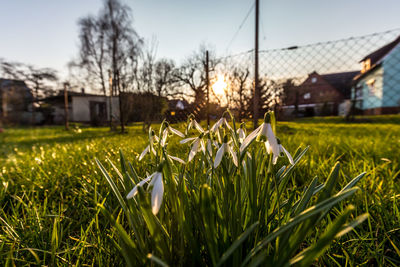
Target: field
51 186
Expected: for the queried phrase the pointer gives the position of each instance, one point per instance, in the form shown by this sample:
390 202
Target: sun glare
220 85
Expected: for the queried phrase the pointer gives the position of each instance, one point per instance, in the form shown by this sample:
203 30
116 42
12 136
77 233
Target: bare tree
40 80
93 56
122 42
271 94
163 77
108 42
241 89
192 77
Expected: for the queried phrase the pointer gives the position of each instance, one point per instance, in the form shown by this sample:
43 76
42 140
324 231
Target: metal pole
208 91
66 111
110 83
256 86
121 111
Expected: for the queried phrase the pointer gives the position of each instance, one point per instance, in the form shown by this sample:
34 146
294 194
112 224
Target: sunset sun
220 85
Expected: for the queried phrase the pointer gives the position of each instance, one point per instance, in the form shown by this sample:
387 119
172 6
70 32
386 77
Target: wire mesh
357 75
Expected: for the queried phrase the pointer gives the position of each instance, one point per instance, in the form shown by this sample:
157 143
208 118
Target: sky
45 32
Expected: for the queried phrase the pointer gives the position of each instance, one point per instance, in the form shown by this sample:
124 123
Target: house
319 94
83 107
376 89
15 102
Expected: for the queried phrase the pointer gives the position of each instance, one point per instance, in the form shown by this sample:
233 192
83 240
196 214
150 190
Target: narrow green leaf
237 243
322 206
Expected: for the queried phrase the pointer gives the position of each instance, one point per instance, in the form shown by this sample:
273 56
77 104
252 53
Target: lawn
51 187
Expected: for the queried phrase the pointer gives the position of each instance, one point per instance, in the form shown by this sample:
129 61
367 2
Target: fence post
256 86
110 84
208 91
66 111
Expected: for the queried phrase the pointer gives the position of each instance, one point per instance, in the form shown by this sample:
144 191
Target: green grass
51 186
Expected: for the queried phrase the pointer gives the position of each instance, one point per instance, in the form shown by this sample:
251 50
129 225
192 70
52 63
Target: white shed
93 108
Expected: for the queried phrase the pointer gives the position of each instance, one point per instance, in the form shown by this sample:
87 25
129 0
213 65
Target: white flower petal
287 155
133 192
250 138
220 154
197 126
175 131
164 137
233 154
209 146
215 143
219 137
184 141
227 125
264 129
154 178
217 125
241 134
248 154
268 147
274 159
202 146
157 193
190 124
195 148
153 151
145 151
272 140
177 159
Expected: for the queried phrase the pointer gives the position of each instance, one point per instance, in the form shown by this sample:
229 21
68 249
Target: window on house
314 79
358 92
371 86
307 96
366 65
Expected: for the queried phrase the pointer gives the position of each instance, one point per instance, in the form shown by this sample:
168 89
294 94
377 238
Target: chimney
83 90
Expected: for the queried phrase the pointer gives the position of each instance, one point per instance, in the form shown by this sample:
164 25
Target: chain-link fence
353 76
357 75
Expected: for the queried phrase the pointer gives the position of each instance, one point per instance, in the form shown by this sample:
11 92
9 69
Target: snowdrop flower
195 124
145 151
153 138
262 133
176 159
241 133
197 145
225 148
282 150
169 129
157 192
219 123
268 135
210 142
175 131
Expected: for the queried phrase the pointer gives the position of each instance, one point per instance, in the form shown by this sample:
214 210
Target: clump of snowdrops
231 200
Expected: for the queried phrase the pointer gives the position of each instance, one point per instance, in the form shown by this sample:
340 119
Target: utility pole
208 91
256 86
110 84
121 110
66 111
